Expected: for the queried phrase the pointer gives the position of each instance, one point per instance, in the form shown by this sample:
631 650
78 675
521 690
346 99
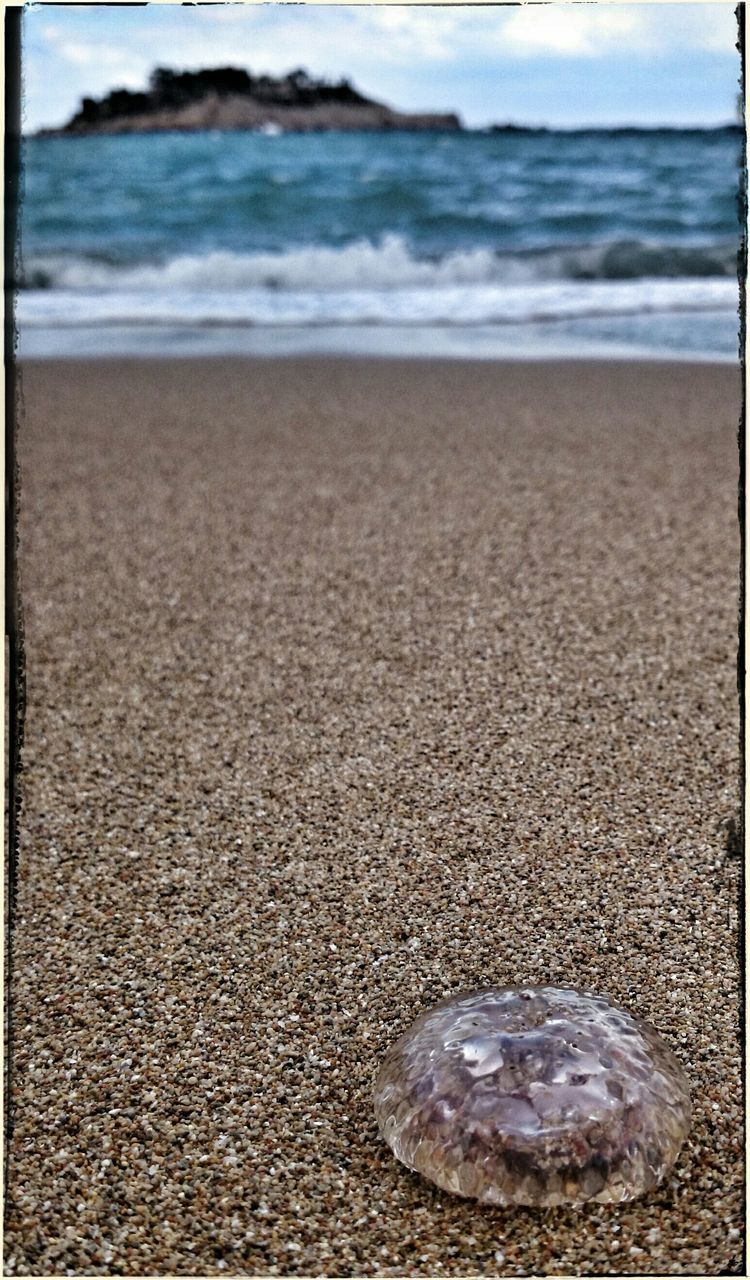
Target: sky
545 64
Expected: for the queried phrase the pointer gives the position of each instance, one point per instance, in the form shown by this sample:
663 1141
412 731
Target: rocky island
231 98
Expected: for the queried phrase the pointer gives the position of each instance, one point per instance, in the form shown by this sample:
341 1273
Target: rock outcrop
231 98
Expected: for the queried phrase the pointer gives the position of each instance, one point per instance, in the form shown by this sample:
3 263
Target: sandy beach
353 684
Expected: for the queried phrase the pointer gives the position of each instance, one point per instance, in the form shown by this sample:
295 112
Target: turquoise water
173 240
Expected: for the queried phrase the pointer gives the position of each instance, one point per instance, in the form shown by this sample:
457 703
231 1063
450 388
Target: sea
585 243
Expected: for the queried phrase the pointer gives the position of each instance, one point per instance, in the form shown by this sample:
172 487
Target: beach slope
353 684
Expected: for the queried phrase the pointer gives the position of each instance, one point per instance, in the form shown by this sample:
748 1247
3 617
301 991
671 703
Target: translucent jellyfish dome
534 1096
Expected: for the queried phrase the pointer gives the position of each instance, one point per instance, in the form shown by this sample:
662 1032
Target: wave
455 305
387 264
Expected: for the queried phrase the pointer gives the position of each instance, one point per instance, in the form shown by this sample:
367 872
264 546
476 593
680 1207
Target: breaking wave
388 264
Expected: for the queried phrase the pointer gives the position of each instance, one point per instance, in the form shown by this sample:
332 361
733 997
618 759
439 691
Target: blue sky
555 64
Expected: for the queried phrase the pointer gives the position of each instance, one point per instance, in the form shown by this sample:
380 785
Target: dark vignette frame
736 837
14 630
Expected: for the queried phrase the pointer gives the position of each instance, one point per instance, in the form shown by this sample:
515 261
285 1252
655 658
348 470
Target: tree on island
169 89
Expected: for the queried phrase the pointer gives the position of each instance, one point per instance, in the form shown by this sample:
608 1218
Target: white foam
384 265
452 305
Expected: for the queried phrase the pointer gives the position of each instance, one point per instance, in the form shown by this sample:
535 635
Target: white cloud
594 30
711 27
421 33
92 55
571 30
586 30
271 37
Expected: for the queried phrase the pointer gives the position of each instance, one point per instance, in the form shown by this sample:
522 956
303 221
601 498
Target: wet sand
352 684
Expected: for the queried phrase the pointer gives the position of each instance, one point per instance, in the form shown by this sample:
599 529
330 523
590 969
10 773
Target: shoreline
634 339
531 362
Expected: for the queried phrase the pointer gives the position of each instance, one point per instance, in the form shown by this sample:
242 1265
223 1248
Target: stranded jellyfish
533 1095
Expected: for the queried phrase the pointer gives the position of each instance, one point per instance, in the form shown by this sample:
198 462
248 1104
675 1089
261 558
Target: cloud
272 37
708 27
420 33
571 30
329 40
96 55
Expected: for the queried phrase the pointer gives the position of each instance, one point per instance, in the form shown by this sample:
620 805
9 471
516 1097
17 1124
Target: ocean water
550 243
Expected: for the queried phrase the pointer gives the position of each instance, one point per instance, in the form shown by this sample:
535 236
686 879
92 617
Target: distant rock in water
230 98
615 131
518 128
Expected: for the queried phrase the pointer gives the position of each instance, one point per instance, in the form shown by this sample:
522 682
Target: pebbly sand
353 684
